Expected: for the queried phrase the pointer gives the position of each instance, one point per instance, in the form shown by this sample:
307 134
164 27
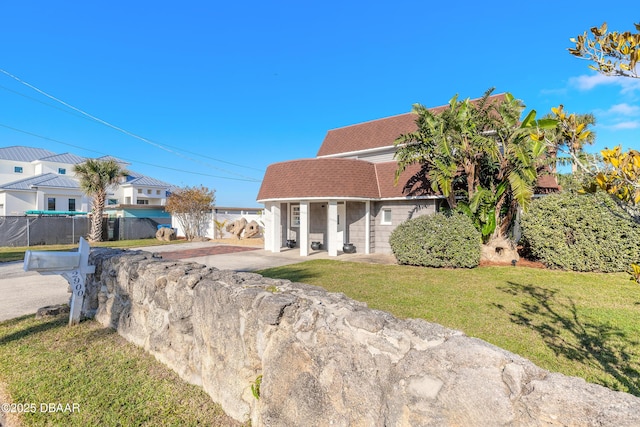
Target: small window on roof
62 171
17 169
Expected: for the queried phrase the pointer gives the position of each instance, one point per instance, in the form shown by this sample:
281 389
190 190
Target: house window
62 171
139 190
72 205
295 216
112 201
386 217
17 169
157 192
149 191
142 202
51 203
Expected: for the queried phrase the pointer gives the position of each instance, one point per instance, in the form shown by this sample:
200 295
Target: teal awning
69 213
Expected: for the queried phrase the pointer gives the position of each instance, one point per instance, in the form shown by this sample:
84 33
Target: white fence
221 215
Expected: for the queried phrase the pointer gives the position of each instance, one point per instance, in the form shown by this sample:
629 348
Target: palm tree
480 153
96 176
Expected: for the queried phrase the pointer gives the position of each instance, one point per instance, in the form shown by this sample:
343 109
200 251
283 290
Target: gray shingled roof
117 160
23 154
45 180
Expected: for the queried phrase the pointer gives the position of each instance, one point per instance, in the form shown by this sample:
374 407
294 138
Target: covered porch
330 222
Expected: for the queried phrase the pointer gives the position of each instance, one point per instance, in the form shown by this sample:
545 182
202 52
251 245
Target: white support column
276 228
367 227
40 201
304 229
332 228
266 220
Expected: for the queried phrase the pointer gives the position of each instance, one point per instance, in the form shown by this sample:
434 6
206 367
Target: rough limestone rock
166 234
237 227
327 360
499 250
251 229
52 310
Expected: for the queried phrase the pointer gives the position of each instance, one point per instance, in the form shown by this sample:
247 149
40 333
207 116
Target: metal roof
23 154
135 178
64 158
45 180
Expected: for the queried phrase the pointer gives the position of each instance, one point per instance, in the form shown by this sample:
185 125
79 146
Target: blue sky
217 91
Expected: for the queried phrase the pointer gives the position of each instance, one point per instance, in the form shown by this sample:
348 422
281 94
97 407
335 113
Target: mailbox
50 261
73 266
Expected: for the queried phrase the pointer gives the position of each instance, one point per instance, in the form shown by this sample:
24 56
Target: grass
111 381
8 254
579 324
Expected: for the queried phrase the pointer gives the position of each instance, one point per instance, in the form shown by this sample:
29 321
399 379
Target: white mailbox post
73 266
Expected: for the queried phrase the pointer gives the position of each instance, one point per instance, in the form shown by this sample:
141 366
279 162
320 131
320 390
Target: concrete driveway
25 292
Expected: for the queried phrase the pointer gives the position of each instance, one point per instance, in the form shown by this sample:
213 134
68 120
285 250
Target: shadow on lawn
555 318
32 329
295 274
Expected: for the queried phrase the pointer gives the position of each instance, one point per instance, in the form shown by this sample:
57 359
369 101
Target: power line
131 134
127 159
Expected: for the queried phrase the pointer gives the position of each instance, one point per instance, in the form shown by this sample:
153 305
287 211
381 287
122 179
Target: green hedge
581 232
437 240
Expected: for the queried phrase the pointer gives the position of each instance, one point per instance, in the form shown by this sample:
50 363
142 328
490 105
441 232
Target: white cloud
624 125
585 83
624 109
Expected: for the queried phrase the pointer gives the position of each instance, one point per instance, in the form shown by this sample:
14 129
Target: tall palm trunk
96 217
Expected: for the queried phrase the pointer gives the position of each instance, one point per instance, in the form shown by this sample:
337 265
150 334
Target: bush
437 240
581 232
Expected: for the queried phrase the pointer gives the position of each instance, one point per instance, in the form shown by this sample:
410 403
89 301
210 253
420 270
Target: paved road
24 292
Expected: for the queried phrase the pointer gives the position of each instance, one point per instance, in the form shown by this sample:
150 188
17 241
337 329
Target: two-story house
34 180
347 193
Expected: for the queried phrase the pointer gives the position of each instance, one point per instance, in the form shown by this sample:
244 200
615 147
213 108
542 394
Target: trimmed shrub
576 232
437 240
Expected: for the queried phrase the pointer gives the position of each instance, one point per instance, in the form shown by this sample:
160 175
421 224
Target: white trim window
295 215
385 217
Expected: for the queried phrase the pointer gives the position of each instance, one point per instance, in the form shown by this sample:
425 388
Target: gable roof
376 133
64 158
23 154
45 180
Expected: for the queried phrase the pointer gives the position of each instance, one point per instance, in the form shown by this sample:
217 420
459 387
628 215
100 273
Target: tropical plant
569 138
219 226
191 206
480 153
96 177
614 53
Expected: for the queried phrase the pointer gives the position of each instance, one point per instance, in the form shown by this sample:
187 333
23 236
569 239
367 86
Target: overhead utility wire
119 129
124 158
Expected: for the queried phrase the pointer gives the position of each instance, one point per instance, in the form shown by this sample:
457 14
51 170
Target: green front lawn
579 324
94 377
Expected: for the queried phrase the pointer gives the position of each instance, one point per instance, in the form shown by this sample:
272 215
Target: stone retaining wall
325 359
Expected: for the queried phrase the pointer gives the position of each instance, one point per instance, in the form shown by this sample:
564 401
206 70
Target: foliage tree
96 177
481 153
569 138
614 53
191 206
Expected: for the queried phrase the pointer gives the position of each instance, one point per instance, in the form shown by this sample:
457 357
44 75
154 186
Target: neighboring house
347 193
33 180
